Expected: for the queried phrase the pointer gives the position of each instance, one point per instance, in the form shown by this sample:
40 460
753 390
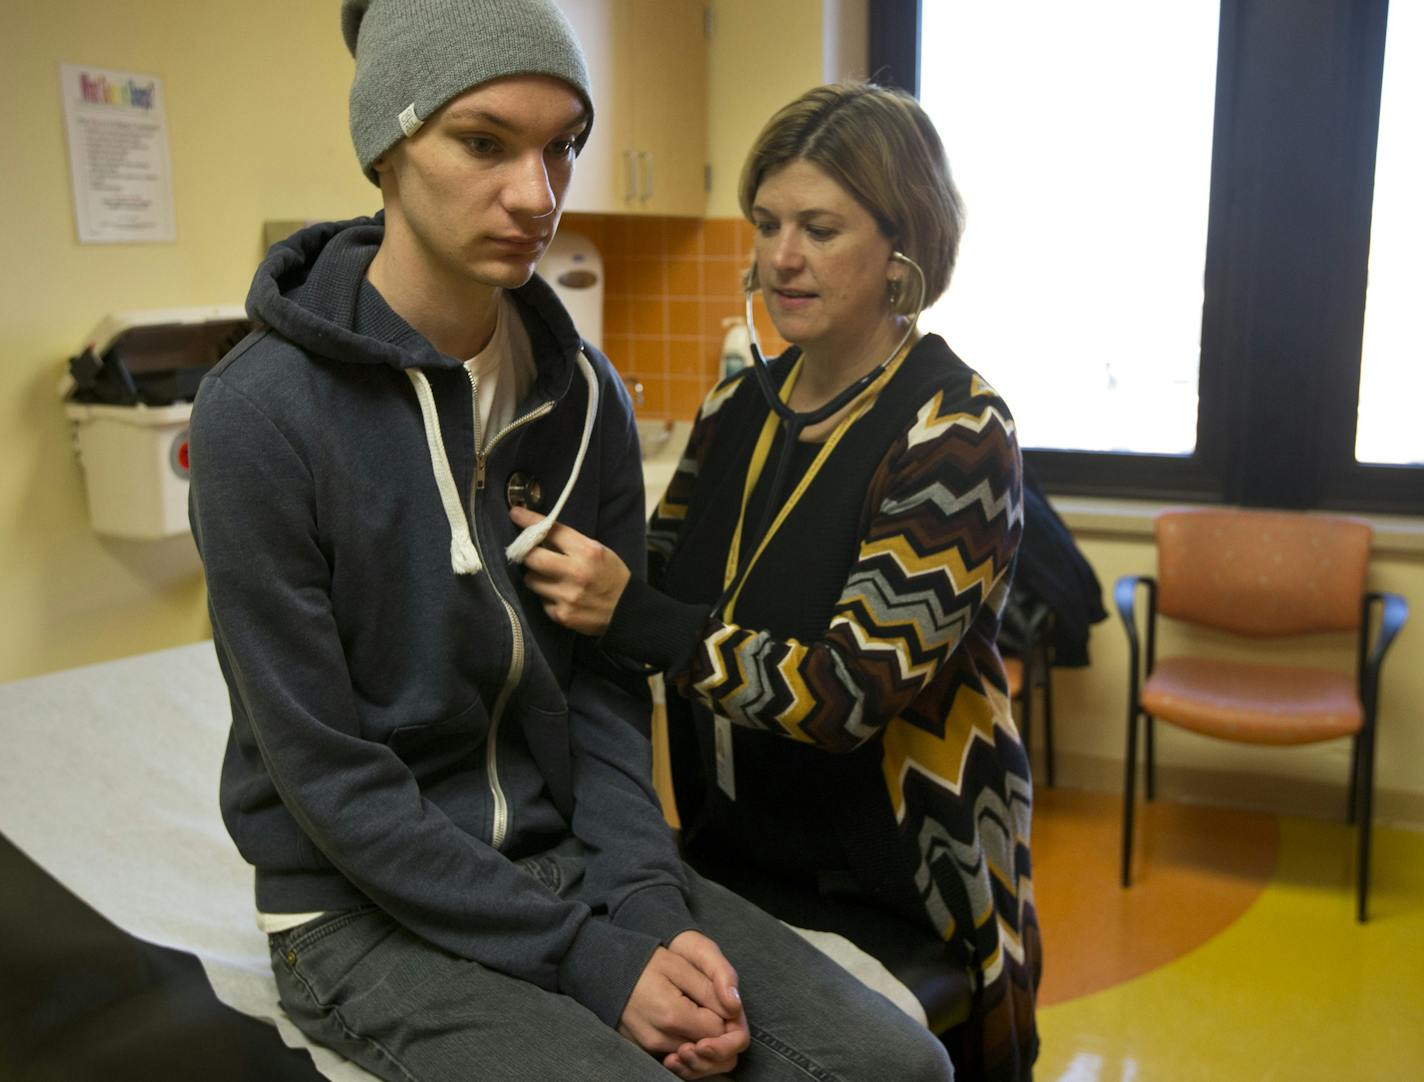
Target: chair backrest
1261 572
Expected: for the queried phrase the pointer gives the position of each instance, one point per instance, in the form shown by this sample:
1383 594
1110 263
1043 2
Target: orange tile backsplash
668 284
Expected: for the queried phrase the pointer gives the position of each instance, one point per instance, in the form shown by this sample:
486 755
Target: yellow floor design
1294 990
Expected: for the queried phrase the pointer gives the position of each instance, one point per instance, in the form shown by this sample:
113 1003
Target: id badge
726 774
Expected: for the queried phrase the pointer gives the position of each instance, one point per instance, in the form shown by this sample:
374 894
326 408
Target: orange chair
1260 574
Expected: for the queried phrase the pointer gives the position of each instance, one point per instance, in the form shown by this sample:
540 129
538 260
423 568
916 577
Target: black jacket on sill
1052 572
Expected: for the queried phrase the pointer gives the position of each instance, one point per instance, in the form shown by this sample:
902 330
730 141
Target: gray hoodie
406 722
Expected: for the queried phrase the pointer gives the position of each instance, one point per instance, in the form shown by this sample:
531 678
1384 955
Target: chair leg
1129 787
1151 754
1048 716
1025 702
1353 796
1366 786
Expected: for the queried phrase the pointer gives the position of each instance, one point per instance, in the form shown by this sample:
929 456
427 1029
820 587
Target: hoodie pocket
439 743
546 732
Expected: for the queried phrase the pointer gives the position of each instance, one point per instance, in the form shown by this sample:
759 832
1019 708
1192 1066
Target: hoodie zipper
482 457
500 828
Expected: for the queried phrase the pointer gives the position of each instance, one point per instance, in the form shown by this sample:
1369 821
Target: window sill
1395 535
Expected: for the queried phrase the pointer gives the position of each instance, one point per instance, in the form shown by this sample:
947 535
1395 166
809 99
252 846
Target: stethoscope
793 423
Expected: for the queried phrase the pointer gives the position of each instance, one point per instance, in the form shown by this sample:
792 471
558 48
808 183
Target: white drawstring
533 536
464 557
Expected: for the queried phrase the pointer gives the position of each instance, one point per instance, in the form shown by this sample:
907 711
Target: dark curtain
895 44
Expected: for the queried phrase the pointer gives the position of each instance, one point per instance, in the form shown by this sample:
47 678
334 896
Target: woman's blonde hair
878 144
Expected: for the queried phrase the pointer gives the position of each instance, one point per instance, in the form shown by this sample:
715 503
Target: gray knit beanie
413 56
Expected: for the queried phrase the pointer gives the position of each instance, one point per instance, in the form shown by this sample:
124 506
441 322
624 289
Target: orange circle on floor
1195 871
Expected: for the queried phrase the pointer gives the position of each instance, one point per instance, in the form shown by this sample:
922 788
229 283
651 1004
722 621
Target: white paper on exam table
109 782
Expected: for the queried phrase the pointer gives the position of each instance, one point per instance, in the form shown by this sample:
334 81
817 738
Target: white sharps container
572 265
129 396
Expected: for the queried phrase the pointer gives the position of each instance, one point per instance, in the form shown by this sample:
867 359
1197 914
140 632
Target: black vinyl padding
83 1001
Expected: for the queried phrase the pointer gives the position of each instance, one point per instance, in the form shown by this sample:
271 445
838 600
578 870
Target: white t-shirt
502 372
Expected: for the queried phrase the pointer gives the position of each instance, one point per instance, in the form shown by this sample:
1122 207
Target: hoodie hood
311 288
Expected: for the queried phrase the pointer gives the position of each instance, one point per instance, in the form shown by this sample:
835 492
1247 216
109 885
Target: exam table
128 928
126 916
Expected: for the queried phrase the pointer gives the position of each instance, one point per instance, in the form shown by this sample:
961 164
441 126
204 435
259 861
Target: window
1250 248
1391 375
1081 141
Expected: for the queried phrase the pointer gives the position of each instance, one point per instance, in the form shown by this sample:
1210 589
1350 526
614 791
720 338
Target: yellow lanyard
762 452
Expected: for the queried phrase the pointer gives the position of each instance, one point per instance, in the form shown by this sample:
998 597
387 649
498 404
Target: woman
827 569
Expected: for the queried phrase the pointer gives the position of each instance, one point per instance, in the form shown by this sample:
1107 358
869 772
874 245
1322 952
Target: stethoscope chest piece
522 490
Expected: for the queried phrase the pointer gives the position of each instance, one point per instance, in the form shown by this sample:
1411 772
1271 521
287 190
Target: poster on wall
118 155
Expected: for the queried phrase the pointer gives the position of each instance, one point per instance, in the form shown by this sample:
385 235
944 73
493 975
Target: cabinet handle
630 182
646 158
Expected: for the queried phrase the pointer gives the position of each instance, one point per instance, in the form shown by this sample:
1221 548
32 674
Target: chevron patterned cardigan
868 702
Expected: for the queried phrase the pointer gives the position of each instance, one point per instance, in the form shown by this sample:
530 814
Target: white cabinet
595 186
648 67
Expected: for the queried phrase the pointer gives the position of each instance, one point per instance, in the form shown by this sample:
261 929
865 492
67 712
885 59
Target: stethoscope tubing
793 423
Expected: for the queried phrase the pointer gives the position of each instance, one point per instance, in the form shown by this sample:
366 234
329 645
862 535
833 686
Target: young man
459 856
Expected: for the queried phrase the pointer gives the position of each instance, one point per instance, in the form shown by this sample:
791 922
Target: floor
1235 955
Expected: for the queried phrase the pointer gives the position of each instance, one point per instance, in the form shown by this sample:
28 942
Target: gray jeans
407 1011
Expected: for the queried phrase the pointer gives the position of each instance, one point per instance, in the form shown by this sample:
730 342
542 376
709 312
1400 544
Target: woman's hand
578 579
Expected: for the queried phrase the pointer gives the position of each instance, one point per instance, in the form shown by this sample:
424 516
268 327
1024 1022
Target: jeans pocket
312 964
289 944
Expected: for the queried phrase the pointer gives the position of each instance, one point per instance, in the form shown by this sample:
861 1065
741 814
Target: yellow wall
257 127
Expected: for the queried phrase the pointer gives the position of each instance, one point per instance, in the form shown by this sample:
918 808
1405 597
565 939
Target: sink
662 443
654 438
